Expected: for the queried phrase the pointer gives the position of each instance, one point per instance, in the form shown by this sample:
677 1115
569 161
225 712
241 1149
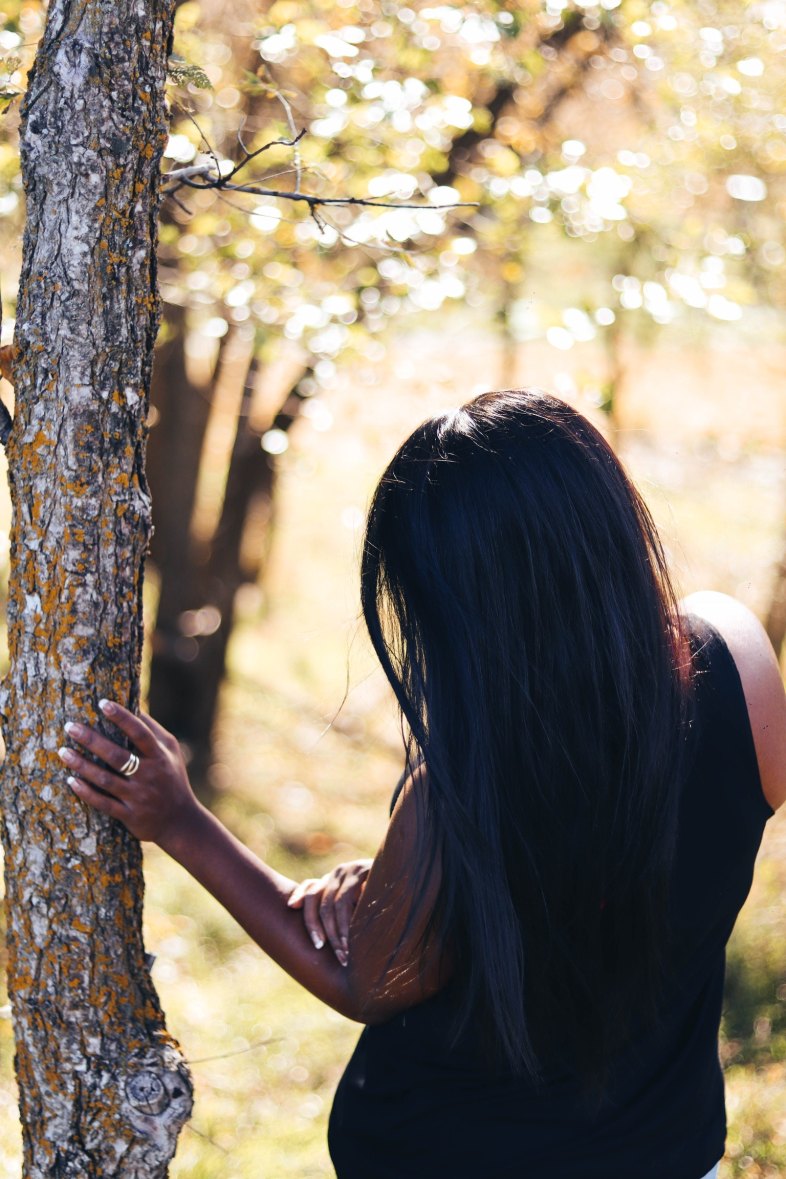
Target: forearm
256 896
153 798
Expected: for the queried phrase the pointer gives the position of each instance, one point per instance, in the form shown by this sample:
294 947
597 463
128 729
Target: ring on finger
129 766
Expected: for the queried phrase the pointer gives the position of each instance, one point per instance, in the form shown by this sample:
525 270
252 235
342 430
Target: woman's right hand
328 904
153 798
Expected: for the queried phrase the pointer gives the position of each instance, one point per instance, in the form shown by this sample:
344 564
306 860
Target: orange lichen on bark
75 889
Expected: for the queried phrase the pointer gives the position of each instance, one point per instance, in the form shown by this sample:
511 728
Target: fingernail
344 944
72 727
317 940
342 957
65 754
74 783
106 706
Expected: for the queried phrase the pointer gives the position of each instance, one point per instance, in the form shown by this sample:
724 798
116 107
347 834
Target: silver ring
130 766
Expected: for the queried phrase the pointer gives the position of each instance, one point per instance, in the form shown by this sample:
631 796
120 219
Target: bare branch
238 1051
181 205
313 201
210 176
187 173
210 150
249 156
281 98
201 1134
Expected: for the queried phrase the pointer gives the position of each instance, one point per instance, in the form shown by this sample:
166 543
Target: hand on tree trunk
147 790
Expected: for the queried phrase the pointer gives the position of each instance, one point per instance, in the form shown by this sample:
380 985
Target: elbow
369 1011
373 1004
352 999
361 1005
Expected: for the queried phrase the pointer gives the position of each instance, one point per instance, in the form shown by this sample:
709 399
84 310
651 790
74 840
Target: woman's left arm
156 803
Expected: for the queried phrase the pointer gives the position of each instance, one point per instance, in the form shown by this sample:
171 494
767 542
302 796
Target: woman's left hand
154 800
328 904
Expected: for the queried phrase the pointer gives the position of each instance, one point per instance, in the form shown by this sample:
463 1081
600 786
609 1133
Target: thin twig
291 121
201 1134
181 205
372 247
271 82
211 151
237 1051
279 172
248 156
182 175
318 220
244 210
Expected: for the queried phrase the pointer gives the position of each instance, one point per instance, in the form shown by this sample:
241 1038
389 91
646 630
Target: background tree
103 1089
319 289
483 103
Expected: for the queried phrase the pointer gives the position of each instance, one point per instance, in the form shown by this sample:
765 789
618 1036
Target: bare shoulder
761 680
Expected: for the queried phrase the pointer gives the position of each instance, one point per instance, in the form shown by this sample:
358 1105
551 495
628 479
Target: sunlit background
621 238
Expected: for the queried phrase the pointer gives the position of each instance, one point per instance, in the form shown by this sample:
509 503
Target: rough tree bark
103 1089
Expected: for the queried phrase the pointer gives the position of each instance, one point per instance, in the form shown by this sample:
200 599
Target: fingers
141 734
156 729
297 896
114 755
107 782
328 917
326 914
311 919
329 903
345 907
352 878
101 802
317 900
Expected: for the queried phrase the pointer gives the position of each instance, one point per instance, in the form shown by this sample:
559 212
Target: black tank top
414 1105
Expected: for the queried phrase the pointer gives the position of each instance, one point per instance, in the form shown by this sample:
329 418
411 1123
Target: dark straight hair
516 593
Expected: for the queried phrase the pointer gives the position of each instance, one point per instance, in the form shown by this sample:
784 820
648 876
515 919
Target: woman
538 947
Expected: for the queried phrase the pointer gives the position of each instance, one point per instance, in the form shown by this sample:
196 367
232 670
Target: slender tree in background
103 1088
199 578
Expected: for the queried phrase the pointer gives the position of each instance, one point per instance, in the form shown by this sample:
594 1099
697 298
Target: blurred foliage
650 136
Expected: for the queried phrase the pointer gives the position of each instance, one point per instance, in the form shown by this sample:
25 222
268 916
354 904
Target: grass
304 794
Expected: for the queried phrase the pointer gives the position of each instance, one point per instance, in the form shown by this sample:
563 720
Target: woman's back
414 1103
561 873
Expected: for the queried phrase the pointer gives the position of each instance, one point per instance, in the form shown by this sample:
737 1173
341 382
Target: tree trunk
775 622
509 345
181 410
186 675
173 464
615 379
103 1089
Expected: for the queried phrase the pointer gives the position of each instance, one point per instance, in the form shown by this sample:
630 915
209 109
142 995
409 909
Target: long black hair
517 596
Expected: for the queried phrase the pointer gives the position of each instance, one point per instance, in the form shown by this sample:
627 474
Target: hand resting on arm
388 966
329 902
